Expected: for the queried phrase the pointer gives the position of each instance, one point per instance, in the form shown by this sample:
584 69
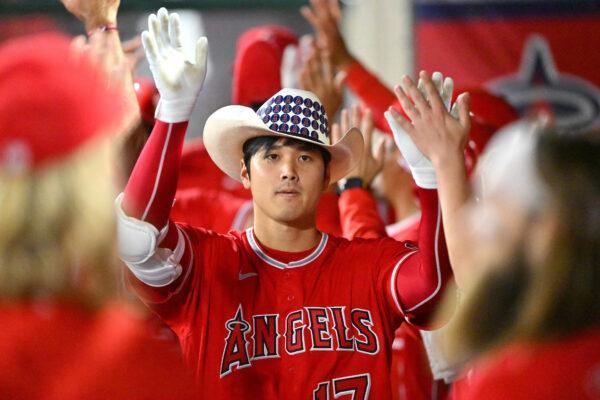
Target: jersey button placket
288 275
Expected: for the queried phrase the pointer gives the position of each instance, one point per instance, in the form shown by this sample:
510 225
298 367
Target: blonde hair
526 300
57 236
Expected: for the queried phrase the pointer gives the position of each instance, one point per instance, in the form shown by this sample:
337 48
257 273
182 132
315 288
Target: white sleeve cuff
424 177
173 111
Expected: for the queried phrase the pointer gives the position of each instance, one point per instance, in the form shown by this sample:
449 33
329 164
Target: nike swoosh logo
247 275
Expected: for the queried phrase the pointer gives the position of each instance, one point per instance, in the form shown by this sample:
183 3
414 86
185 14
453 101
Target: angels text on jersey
266 336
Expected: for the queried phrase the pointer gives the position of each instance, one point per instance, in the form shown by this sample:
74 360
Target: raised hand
443 86
371 162
316 75
324 16
177 78
93 13
434 130
432 134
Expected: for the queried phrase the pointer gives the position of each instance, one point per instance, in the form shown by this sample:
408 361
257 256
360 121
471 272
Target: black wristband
351 183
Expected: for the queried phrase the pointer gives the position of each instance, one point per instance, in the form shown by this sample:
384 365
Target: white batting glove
444 87
177 78
421 168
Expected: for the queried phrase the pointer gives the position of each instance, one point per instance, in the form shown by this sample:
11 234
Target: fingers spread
334 10
336 134
447 89
163 19
202 52
464 116
175 30
154 29
437 79
406 104
433 94
396 121
345 120
314 68
421 87
379 152
150 47
367 121
328 71
417 98
310 16
356 116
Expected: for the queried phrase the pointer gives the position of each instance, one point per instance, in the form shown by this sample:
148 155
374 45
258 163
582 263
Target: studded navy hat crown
303 116
291 113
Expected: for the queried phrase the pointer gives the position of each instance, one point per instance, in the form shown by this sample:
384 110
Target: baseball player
280 310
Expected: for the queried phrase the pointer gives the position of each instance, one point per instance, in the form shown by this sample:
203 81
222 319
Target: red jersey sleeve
414 281
328 215
372 92
149 195
359 216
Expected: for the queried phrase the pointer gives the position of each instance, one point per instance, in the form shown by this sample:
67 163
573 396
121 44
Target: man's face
286 183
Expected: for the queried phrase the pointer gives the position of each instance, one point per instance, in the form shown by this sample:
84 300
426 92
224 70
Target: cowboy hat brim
228 128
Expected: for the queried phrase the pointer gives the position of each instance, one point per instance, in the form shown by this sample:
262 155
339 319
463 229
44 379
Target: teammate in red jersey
280 310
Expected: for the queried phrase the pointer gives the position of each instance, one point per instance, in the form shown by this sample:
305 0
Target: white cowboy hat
290 113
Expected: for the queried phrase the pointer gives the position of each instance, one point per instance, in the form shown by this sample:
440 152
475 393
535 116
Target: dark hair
254 145
561 295
256 106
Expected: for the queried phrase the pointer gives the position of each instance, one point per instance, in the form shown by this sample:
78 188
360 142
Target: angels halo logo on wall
541 55
573 101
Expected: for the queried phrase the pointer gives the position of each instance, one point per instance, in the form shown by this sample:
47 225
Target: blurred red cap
257 67
147 97
51 101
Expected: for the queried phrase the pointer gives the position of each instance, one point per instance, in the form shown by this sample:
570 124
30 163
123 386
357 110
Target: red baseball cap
51 101
257 66
147 97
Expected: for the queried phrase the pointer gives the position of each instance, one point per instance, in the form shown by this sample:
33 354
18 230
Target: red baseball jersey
557 369
260 323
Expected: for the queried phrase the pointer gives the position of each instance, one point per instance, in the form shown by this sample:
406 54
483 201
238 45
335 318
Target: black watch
350 183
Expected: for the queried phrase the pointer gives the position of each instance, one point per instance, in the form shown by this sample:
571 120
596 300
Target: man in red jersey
280 310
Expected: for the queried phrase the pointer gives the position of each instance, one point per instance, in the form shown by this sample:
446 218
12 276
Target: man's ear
245 175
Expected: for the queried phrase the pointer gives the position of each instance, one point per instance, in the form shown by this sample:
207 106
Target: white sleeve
138 247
